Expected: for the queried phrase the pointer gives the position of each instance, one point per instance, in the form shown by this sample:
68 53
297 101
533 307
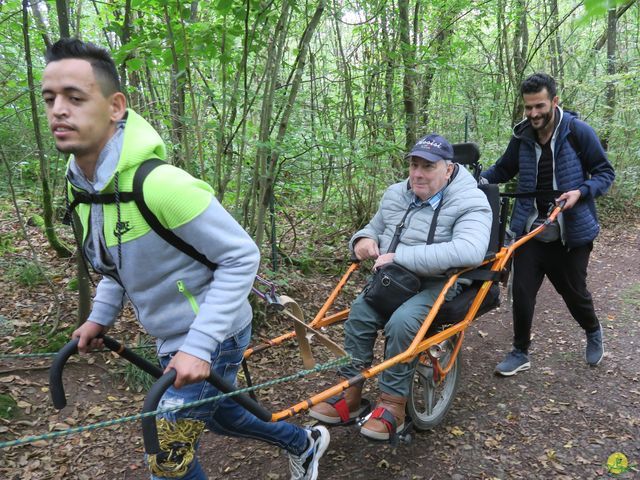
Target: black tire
429 402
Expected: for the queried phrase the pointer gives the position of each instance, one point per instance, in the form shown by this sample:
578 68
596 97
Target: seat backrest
468 154
492 192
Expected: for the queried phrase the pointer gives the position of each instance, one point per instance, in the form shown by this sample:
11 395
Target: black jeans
567 271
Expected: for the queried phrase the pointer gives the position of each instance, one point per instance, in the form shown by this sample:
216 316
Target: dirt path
561 419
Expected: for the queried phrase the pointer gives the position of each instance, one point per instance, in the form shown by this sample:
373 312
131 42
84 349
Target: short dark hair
100 59
537 82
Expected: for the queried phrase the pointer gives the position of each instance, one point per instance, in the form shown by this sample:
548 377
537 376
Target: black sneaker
305 466
595 347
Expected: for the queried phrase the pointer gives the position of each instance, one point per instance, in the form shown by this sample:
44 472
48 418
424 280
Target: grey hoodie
178 300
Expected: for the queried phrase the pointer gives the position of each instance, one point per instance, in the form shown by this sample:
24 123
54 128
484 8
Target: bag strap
141 174
398 232
434 220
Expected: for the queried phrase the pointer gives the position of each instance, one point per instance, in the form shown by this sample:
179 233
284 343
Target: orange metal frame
420 344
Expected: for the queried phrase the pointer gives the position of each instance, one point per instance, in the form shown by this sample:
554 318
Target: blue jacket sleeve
507 165
594 161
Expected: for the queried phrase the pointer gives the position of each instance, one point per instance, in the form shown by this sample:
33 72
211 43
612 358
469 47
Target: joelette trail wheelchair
436 345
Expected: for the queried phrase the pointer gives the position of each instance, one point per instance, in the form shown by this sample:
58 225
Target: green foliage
138 380
73 284
596 8
8 407
36 221
6 243
37 341
25 273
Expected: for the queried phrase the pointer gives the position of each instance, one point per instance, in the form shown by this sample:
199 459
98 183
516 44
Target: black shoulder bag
393 284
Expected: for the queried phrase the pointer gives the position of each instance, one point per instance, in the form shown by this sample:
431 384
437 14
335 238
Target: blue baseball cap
432 148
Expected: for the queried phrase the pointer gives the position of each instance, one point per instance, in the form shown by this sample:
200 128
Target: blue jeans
225 416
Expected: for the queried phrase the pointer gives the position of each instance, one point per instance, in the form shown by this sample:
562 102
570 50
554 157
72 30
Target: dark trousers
567 271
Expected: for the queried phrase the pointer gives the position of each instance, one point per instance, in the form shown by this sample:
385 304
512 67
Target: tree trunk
42 28
274 57
388 78
409 82
63 18
181 149
555 45
520 46
437 44
47 207
267 190
610 93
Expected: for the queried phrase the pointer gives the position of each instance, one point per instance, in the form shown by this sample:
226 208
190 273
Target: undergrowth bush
37 339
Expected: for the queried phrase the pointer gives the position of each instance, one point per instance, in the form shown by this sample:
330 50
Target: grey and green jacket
178 300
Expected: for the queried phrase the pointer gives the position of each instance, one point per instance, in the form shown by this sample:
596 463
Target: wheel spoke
429 395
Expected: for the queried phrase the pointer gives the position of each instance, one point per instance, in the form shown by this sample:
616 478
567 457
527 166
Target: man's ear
118 106
450 167
554 101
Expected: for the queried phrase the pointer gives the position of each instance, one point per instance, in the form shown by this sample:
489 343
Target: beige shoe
386 419
341 409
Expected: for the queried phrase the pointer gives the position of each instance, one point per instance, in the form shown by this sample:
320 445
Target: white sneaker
305 466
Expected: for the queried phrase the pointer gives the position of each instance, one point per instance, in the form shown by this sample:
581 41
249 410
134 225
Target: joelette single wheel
431 397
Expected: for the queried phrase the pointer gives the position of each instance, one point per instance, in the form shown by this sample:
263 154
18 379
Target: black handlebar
152 399
55 372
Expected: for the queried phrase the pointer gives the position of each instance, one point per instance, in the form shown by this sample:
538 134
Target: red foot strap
387 418
340 404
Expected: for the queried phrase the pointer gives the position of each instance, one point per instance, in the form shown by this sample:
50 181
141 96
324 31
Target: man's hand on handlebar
570 198
189 369
87 334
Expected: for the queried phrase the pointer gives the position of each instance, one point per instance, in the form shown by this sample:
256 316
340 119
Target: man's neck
87 166
544 136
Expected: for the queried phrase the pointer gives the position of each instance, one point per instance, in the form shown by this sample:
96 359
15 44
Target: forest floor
562 419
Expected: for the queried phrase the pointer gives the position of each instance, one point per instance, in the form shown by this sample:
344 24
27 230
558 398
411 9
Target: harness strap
141 173
80 196
387 418
339 402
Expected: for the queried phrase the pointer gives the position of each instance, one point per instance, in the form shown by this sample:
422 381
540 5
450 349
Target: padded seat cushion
454 310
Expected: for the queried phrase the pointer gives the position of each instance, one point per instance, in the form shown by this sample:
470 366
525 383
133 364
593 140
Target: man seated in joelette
460 239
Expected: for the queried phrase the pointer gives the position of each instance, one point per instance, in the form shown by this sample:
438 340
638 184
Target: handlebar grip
55 373
57 366
149 428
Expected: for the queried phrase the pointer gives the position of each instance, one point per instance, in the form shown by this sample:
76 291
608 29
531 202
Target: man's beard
546 119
